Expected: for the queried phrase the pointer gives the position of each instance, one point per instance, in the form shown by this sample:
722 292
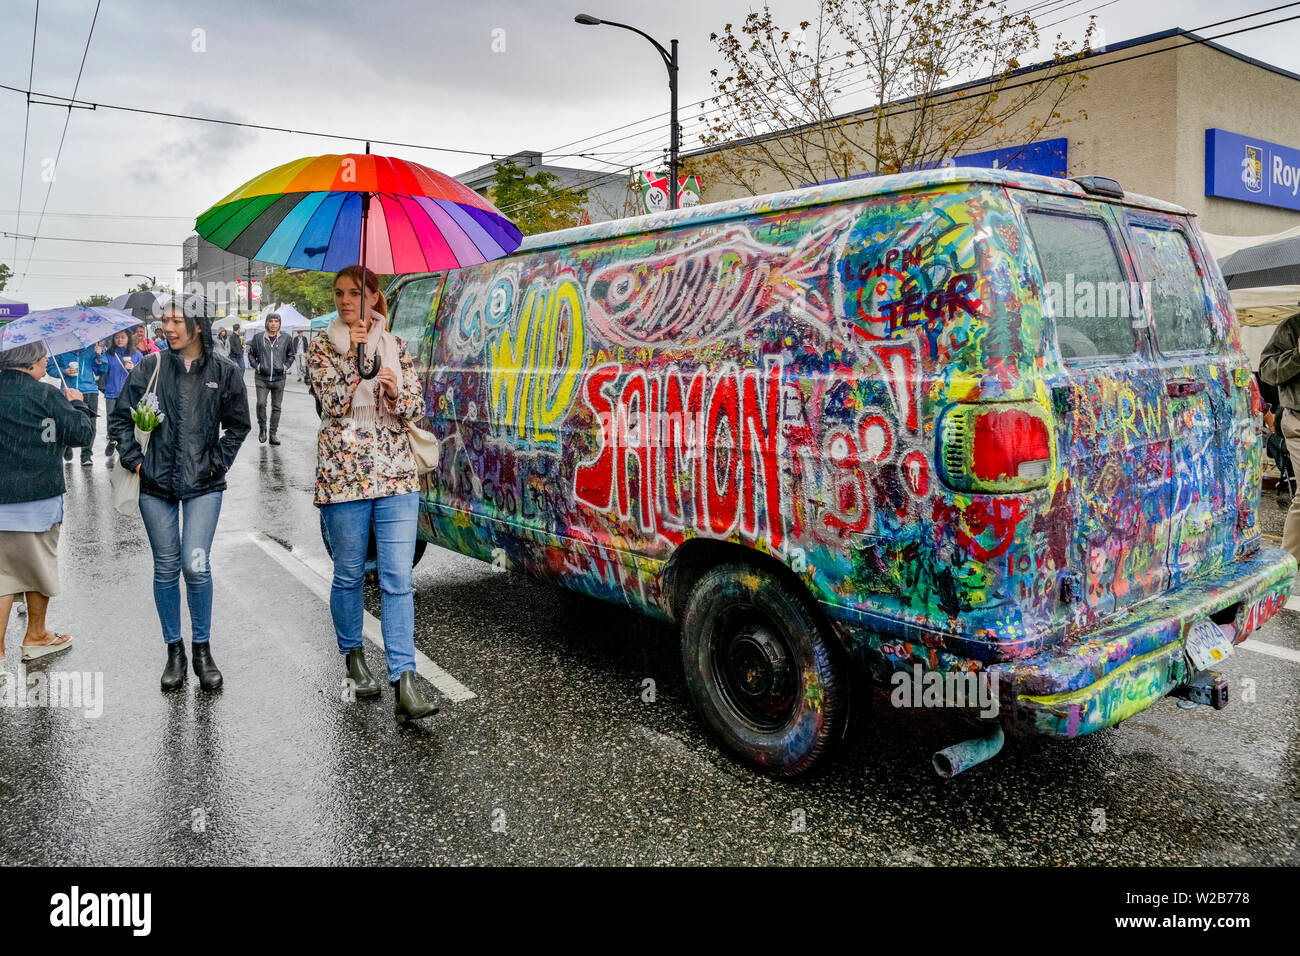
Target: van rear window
414 301
1084 285
1176 290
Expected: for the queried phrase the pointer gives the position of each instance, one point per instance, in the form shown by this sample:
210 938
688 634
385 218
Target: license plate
1206 645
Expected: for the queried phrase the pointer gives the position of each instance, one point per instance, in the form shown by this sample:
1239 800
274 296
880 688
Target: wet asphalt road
557 758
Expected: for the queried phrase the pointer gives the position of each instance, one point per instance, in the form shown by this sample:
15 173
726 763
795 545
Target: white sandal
33 651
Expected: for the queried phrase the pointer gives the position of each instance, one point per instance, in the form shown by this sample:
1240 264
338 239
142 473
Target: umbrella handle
361 363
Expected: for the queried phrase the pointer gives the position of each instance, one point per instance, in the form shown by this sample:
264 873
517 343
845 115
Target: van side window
414 301
1085 287
1176 290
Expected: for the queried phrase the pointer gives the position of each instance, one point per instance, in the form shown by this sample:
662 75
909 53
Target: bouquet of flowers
146 415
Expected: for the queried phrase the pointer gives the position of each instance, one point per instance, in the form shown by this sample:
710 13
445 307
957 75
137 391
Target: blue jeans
181 550
394 519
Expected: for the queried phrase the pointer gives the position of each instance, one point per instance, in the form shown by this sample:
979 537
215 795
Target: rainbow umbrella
328 212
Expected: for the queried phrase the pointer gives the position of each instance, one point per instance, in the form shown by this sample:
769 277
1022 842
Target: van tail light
1003 447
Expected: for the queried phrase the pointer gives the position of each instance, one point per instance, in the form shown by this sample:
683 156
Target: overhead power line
1092 67
1086 67
22 168
107 242
49 186
1040 7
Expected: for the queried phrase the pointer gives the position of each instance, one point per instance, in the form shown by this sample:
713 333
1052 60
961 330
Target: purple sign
10 309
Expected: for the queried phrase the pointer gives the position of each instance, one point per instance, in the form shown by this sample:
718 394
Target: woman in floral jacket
366 479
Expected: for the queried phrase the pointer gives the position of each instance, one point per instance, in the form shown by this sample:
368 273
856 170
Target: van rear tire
760 669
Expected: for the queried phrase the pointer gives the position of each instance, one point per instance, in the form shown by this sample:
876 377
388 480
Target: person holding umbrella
315 213
203 421
31 489
366 479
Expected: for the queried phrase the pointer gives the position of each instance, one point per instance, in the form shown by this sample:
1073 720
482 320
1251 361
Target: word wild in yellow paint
536 370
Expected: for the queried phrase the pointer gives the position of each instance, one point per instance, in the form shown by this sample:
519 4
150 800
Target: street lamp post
670 61
136 275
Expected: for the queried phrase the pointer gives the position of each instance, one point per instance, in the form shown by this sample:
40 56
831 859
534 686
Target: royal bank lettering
1251 169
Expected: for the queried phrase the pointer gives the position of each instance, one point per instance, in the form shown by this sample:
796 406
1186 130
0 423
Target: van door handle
1179 387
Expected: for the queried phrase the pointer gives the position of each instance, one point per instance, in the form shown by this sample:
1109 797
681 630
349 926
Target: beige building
1149 103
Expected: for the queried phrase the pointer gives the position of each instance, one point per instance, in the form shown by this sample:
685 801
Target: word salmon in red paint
717 433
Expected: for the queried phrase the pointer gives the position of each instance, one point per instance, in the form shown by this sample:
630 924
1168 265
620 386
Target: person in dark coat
36 423
204 420
270 353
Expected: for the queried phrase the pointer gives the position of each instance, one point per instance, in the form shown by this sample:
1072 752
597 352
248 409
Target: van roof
828 193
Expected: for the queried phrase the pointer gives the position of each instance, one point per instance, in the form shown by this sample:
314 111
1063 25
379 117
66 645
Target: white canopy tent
1264 306
1261 309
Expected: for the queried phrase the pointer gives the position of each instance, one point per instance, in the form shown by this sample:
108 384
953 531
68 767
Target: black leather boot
411 702
274 440
359 673
205 668
261 431
174 673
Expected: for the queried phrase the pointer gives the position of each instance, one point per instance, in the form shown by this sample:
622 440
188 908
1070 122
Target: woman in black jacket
204 420
36 422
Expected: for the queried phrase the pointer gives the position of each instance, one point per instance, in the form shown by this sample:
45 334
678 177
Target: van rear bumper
1122 669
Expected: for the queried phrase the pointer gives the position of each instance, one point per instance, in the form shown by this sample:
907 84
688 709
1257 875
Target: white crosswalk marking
1272 650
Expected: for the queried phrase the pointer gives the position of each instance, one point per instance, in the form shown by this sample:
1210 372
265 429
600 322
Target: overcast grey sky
413 72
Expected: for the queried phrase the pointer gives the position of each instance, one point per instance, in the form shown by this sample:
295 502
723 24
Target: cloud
196 149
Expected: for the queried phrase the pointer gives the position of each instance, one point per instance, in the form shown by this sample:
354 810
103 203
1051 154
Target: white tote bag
126 484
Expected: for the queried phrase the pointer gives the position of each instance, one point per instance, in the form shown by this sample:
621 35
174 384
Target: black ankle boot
364 682
274 440
205 668
174 673
411 702
261 431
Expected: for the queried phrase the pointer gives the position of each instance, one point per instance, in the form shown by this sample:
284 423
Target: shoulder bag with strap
126 484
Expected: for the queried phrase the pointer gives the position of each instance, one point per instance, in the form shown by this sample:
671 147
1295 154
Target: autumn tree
879 86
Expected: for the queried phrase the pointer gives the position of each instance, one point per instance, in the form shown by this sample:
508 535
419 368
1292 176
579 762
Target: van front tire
760 670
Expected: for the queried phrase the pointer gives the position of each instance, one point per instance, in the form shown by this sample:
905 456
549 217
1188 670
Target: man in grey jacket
1280 365
270 354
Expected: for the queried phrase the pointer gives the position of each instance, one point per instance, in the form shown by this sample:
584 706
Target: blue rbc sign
1046 158
1252 170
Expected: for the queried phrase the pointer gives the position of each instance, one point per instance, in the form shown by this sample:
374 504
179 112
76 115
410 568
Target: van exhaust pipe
951 761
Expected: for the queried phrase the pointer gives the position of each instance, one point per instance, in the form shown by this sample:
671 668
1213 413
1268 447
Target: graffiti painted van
961 427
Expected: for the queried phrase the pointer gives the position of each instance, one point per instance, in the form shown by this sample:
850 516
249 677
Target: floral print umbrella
66 330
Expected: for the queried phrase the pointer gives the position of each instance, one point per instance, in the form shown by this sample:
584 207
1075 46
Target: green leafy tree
536 203
311 293
5 274
97 299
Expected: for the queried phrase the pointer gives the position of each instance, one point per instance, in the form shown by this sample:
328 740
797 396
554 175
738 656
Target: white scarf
367 409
